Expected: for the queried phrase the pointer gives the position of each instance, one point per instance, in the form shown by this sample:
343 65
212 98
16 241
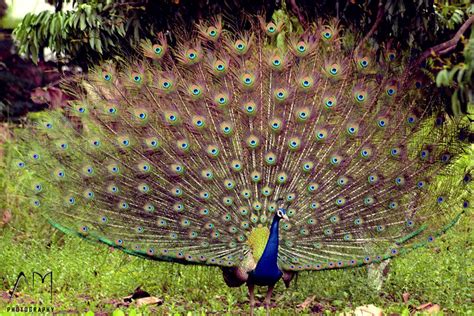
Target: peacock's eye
107 77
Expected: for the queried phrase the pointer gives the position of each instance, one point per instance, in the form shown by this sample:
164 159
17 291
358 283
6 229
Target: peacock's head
281 214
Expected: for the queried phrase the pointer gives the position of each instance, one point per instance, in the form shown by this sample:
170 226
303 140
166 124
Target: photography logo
36 276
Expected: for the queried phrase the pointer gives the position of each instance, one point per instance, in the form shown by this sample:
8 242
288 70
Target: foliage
89 30
450 14
459 77
106 26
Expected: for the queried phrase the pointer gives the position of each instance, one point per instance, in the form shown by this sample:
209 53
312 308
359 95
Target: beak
285 217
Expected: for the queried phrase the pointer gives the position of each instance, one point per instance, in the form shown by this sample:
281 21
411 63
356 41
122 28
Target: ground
92 277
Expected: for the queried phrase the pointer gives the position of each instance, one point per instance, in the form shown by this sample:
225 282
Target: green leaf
99 45
52 26
92 39
34 54
442 78
82 25
455 104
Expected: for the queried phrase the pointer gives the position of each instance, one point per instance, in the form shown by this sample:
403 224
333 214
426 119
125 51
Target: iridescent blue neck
270 254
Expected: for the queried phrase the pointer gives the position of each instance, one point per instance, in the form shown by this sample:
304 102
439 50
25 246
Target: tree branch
378 19
447 46
296 11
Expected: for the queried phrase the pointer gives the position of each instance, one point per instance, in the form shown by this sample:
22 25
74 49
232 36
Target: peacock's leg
268 297
252 297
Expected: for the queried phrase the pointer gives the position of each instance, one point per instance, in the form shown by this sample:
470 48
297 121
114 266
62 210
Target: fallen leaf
406 297
307 302
149 301
429 308
368 310
6 217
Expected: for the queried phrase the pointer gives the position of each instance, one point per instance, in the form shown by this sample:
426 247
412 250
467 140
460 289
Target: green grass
93 277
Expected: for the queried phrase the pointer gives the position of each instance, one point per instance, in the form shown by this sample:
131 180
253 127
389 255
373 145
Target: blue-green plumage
267 272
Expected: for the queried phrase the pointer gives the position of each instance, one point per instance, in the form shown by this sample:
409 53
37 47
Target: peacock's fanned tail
179 154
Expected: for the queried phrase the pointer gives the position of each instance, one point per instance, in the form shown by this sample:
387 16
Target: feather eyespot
365 153
314 205
137 78
312 187
212 31
301 47
329 102
282 177
352 129
270 158
239 45
400 181
149 207
275 124
236 165
280 94
195 91
303 114
363 63
157 49
38 187
248 79
256 176
271 29
250 108
382 122
306 83
307 166
326 34
226 128
373 178
294 143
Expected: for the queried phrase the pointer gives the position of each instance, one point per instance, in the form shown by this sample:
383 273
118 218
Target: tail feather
179 154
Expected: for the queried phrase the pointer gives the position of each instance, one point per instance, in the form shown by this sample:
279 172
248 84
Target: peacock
263 151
